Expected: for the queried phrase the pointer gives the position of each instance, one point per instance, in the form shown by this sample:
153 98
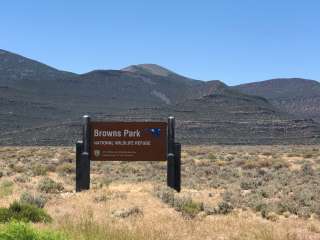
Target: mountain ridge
295 95
40 105
28 68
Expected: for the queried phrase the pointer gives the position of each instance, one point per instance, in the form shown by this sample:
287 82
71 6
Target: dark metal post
171 134
171 157
177 167
85 156
86 133
79 149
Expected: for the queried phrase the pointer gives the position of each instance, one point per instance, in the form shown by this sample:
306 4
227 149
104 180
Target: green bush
188 207
23 212
47 185
23 231
5 215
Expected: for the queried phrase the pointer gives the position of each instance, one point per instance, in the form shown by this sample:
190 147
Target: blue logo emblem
155 132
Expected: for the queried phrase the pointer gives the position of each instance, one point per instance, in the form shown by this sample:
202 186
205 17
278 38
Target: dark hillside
293 95
40 105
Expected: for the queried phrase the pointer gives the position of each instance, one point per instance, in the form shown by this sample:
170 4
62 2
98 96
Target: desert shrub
105 181
264 163
212 157
288 205
272 216
262 208
228 175
51 167
65 168
228 195
280 164
23 212
256 163
23 231
222 208
268 191
247 184
229 158
100 198
267 154
166 195
188 207
8 172
33 199
127 212
215 182
304 212
307 169
308 155
22 179
6 188
185 205
39 170
47 185
100 182
17 168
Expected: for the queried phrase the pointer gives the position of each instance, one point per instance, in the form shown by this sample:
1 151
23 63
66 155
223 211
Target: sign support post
177 167
79 166
173 158
86 155
83 158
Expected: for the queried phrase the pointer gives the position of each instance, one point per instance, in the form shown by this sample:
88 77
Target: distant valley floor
193 131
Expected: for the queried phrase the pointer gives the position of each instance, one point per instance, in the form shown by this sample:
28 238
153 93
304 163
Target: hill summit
153 69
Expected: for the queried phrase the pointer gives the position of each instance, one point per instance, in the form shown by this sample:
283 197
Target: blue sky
235 41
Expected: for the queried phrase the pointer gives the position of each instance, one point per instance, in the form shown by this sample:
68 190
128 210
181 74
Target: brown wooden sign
128 141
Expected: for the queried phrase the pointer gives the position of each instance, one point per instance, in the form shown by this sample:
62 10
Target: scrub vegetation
228 192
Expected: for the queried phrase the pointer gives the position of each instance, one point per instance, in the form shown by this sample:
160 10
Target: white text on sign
116 133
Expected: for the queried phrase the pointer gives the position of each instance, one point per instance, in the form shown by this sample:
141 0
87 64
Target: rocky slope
294 95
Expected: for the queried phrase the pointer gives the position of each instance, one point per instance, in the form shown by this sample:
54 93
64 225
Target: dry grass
208 172
159 221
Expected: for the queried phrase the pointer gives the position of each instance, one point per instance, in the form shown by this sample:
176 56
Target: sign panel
128 141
